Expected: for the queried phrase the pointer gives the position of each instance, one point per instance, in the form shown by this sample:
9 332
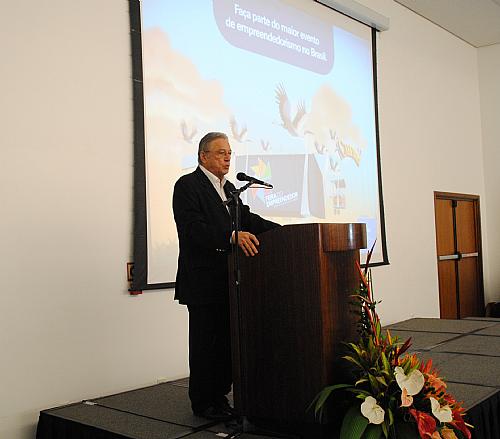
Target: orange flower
447 433
406 400
412 359
453 403
437 383
426 368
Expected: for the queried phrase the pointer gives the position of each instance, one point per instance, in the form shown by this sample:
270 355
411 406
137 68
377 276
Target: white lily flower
372 411
413 383
443 413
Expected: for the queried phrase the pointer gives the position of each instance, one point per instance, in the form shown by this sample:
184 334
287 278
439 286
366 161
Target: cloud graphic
331 113
177 96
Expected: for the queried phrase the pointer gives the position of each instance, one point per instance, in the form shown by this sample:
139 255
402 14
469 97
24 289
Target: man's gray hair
204 144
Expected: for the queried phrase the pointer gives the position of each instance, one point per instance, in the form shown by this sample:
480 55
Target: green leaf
354 424
361 394
381 381
373 432
361 381
325 393
352 360
391 417
371 346
384 429
373 383
356 349
387 366
386 373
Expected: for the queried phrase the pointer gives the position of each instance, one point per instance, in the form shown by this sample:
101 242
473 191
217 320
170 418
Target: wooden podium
291 316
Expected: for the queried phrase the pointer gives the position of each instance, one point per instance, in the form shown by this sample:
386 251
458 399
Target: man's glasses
221 153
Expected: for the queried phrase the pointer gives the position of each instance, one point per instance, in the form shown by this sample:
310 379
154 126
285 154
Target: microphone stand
235 214
233 203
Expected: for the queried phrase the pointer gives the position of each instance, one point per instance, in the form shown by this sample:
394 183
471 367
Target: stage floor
466 353
162 411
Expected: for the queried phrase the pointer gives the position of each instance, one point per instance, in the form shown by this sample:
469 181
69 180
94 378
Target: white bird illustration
333 136
334 165
292 126
320 147
237 134
188 136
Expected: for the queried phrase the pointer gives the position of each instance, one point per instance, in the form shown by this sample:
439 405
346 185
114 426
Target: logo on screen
263 172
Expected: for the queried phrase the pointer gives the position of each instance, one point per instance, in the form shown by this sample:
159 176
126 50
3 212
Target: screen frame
140 237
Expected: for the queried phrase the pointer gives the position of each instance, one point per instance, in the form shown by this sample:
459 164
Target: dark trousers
210 370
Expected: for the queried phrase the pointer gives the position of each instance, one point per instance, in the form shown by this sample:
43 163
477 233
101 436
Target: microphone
241 176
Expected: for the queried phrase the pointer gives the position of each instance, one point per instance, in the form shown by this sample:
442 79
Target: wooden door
458 241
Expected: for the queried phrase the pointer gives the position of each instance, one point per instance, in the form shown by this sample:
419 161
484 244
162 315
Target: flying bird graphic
334 165
333 136
188 136
236 132
292 126
320 147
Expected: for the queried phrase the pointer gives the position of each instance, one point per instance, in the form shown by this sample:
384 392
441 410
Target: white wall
430 134
489 87
68 328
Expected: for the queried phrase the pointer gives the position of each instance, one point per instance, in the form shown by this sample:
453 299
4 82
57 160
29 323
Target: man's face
218 158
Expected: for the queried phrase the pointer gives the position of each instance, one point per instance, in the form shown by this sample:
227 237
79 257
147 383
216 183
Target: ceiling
474 21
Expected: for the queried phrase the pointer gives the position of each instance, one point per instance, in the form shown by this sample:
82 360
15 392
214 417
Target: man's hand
248 243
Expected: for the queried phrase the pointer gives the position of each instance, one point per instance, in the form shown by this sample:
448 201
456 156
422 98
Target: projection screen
292 84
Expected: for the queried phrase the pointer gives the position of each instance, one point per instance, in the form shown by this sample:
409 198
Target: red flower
426 367
459 423
426 423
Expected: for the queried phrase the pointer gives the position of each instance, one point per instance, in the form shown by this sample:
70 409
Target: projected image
290 83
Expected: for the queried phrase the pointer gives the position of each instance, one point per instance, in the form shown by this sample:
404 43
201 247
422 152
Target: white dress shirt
218 184
219 187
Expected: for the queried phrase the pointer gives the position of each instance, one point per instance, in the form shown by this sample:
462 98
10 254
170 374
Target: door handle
470 255
448 257
457 256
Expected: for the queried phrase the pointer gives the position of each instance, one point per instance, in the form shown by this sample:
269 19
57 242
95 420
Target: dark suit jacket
204 231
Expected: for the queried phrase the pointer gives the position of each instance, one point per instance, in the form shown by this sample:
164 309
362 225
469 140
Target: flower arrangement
395 395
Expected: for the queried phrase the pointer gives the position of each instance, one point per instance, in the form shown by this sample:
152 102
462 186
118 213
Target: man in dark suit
205 236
